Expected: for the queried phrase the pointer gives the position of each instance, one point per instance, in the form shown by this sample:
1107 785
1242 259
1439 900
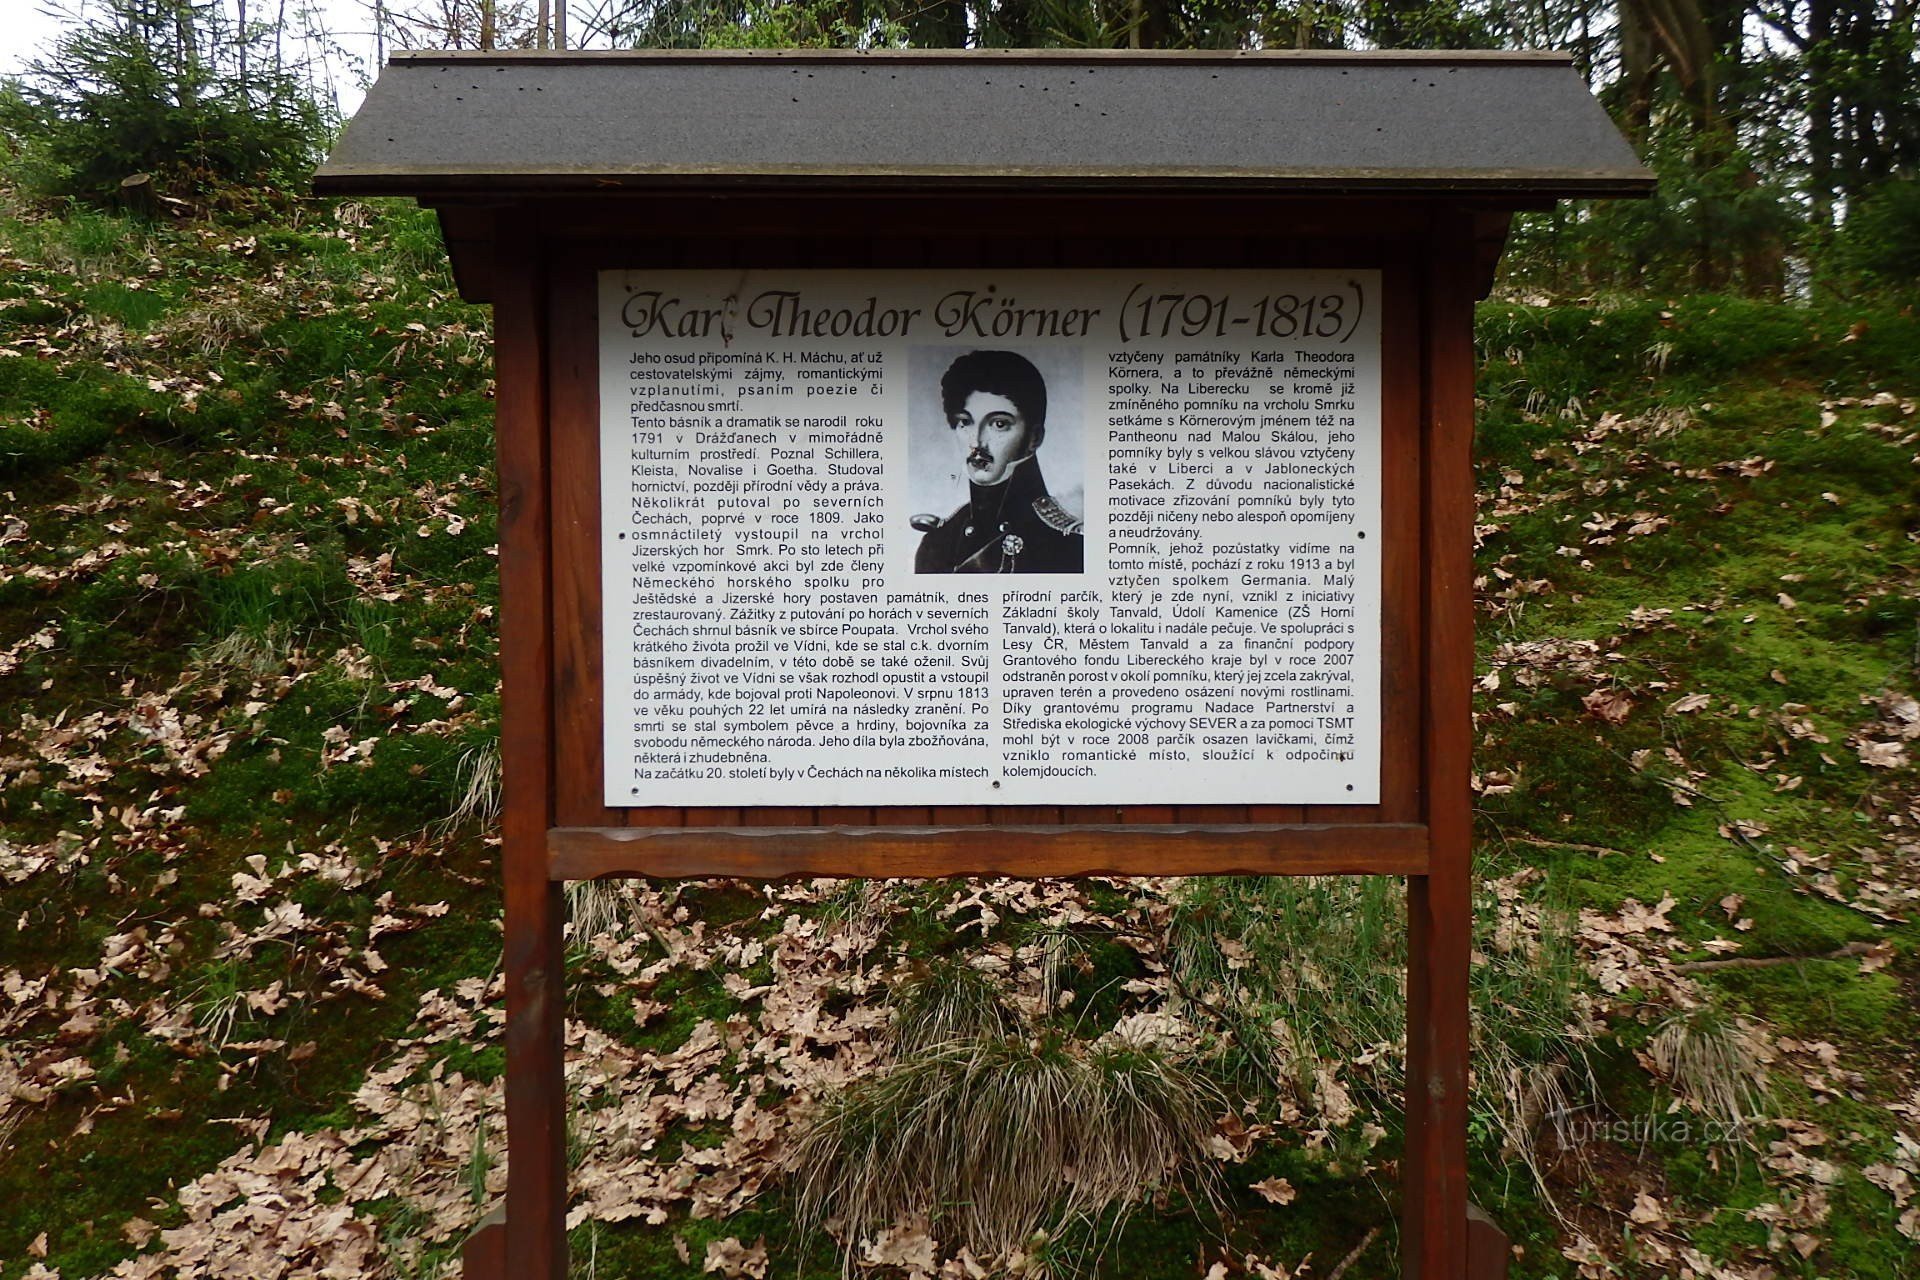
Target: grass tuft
249 654
1000 1143
950 1003
477 783
1715 1064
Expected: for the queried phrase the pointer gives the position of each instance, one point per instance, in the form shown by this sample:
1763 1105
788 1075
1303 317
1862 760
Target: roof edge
576 57
393 180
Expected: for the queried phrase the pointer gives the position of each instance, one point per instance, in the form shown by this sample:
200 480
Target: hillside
249 999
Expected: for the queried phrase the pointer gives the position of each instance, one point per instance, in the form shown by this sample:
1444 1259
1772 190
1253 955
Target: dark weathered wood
1439 904
1490 228
960 222
484 1255
469 236
772 853
536 1243
1489 1251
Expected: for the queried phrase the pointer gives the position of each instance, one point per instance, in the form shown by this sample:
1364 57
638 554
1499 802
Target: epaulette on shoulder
1055 516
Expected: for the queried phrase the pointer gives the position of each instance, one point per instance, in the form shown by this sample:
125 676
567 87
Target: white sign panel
991 537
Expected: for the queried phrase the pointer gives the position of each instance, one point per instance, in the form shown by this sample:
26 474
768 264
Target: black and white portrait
995 461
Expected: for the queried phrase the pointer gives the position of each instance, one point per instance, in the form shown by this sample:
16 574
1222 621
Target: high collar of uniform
1020 488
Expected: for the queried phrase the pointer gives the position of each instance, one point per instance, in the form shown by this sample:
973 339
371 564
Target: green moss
54 413
1576 785
137 309
1822 1000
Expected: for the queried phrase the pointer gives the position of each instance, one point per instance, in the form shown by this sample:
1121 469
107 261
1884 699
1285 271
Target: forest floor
249 926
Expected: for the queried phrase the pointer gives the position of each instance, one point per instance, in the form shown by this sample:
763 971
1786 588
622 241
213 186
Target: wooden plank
1489 1251
768 853
484 1255
884 57
536 1244
1439 904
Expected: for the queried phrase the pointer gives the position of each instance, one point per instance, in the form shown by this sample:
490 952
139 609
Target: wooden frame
1433 257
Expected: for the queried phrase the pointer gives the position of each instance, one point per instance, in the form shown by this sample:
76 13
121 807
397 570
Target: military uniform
1015 527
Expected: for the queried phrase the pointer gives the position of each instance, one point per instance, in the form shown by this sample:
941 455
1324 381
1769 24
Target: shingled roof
454 125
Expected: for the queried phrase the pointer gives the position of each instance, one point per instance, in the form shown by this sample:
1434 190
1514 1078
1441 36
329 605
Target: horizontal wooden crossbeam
776 853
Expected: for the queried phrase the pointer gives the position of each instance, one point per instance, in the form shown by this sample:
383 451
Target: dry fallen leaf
1611 705
732 1259
1883 755
1275 1190
907 1246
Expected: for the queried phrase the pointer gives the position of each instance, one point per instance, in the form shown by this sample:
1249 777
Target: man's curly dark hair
1001 373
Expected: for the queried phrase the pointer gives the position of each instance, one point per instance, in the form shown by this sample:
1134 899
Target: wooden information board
1177 347
614 456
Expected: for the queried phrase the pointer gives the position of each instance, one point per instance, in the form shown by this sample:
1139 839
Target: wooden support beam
536 1240
772 853
1489 1252
484 1255
1439 903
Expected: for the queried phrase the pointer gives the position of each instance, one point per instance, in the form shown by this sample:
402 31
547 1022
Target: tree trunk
186 45
1820 111
137 194
1637 71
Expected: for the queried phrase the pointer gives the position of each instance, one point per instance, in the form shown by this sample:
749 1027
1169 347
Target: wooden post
536 1240
1488 1250
1439 904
